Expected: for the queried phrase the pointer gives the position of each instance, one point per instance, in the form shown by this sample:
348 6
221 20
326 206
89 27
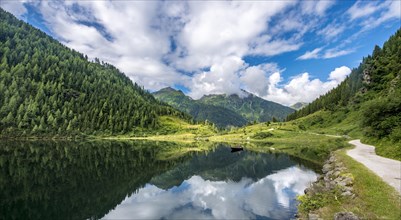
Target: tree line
47 88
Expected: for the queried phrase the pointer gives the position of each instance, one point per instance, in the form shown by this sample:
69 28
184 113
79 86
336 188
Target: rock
347 188
340 164
336 174
341 183
312 216
345 216
346 193
326 168
348 181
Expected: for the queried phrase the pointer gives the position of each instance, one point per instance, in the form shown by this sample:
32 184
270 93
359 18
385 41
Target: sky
283 51
197 198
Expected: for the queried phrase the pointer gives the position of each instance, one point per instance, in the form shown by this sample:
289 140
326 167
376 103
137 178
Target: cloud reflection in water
270 197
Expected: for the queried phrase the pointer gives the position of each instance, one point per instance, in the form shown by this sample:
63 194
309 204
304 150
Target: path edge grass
374 199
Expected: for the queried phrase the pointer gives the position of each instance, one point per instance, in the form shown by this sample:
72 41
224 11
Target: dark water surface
146 180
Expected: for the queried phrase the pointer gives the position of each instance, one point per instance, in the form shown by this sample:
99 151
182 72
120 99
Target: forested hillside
221 117
47 88
372 92
225 110
251 107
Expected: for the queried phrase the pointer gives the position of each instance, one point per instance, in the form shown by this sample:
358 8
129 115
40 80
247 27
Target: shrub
262 135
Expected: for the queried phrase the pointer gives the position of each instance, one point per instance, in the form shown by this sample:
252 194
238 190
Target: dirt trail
389 170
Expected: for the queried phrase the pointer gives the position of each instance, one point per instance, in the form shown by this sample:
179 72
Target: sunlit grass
374 198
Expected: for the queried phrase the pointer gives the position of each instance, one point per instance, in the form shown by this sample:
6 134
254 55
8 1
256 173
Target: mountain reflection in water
221 185
272 197
146 180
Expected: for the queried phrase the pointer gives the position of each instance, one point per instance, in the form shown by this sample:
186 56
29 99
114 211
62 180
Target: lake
147 180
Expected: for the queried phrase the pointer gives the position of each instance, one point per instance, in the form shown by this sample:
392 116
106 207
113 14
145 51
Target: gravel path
389 170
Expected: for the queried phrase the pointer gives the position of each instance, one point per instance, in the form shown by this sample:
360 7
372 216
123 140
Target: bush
262 135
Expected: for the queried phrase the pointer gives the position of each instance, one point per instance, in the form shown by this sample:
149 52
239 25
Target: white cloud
392 11
375 13
155 42
332 53
314 54
261 46
316 7
223 78
332 31
215 30
362 9
339 74
17 8
301 88
319 53
197 198
254 78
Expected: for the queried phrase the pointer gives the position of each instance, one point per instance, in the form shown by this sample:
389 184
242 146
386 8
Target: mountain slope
225 110
47 88
368 102
251 107
220 116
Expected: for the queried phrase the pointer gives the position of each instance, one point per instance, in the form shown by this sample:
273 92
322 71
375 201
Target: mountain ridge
236 110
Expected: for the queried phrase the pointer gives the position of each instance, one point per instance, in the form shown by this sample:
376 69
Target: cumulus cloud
202 45
197 198
222 78
15 7
301 88
255 78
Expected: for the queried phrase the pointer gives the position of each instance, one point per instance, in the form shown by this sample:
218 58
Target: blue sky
284 51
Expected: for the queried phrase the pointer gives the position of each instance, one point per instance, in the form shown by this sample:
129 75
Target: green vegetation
283 137
375 199
54 180
225 110
366 105
262 135
47 89
220 116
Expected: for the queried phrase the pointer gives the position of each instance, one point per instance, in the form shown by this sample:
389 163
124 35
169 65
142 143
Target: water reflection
75 180
114 180
220 185
271 197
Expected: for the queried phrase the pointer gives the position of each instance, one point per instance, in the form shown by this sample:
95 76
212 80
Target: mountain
299 105
47 88
220 116
224 110
367 103
251 107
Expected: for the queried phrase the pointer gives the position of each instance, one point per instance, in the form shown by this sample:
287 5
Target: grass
374 198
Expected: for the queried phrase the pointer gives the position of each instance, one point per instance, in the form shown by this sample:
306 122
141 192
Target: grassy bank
374 198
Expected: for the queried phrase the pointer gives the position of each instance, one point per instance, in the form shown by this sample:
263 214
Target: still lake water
146 180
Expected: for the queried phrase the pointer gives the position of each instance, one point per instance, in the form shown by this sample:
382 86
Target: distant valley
225 110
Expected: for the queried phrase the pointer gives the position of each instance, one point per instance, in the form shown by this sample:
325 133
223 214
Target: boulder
312 216
326 168
345 216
